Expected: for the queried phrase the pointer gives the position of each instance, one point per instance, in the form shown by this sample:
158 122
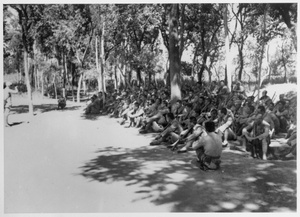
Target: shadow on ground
41 108
92 117
16 123
165 177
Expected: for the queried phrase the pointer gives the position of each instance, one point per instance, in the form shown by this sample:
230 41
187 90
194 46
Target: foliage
135 36
21 87
186 68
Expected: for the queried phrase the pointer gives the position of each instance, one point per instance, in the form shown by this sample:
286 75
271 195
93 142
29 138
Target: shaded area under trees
124 44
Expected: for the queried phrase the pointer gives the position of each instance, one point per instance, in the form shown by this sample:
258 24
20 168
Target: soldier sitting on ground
62 102
177 108
171 133
225 123
157 121
265 98
291 141
188 136
135 115
188 112
90 109
282 114
239 90
209 148
257 134
96 104
208 116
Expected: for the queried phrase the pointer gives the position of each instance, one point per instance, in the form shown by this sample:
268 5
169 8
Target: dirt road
64 162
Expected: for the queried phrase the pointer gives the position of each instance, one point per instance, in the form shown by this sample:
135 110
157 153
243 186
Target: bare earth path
64 162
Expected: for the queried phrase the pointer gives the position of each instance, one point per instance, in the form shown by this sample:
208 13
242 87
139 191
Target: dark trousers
206 161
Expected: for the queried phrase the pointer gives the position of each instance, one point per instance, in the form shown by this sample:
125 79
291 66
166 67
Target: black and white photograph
149 108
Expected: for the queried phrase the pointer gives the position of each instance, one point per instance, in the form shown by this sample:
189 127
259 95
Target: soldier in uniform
7 100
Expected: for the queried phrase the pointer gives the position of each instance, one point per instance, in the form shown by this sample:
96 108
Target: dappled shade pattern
164 177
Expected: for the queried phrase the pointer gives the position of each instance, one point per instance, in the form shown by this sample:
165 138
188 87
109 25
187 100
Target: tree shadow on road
92 117
41 108
165 177
16 123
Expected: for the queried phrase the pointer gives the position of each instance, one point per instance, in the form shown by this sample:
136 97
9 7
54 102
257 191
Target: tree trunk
138 75
128 76
72 88
64 75
203 66
262 51
19 73
285 71
174 53
79 87
35 78
195 59
84 86
241 63
122 74
35 68
97 65
31 74
209 72
269 65
226 76
150 79
200 74
284 63
54 85
227 48
116 77
38 77
30 103
72 80
102 60
42 83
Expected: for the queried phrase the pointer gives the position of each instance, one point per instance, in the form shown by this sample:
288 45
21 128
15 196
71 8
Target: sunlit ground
63 161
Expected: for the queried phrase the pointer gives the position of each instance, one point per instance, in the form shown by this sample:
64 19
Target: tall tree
28 15
263 35
174 52
242 18
287 12
228 64
203 31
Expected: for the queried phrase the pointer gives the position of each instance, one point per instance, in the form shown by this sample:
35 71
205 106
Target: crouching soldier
257 134
62 102
209 148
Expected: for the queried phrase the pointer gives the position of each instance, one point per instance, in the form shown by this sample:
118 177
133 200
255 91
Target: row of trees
67 45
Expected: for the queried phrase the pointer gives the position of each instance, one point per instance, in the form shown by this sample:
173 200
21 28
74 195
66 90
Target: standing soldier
7 100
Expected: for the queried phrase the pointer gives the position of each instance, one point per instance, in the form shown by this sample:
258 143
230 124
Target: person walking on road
7 100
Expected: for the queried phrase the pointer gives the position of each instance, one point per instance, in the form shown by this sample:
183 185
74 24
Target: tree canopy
73 45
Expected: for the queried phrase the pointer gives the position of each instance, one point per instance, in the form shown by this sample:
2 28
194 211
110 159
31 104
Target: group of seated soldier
182 124
95 104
